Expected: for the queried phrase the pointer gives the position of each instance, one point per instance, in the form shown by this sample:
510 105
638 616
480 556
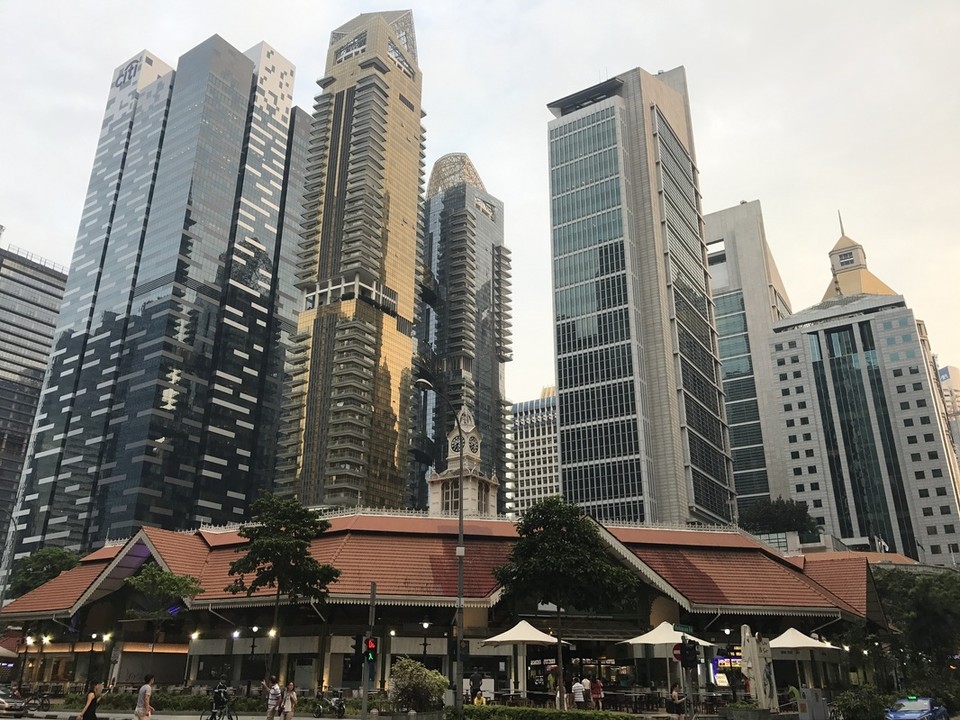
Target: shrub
413 687
862 703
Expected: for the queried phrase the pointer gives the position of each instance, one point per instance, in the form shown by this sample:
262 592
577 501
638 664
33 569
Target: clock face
456 443
474 445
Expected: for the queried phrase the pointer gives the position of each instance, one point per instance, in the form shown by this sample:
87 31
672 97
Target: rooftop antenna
840 217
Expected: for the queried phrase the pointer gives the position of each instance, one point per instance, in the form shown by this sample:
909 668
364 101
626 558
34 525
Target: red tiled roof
59 594
183 553
845 576
874 558
107 552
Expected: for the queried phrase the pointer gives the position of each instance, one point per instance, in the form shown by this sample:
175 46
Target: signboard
678 627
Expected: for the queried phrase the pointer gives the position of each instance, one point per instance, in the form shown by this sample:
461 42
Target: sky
811 107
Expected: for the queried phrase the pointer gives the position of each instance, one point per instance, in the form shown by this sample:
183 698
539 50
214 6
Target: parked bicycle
336 707
37 701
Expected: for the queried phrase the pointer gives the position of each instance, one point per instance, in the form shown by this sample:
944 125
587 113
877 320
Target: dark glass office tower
463 331
31 289
642 431
161 403
346 437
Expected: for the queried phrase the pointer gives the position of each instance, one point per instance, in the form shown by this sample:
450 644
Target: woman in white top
289 701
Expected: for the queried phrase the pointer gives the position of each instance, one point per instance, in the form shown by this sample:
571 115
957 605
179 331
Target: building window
792 438
954 547
932 530
928 437
807 436
819 520
798 471
781 362
901 389
928 512
804 421
818 503
846 258
948 530
905 406
911 439
915 457
809 452
914 370
908 422
778 347
925 420
936 472
783 376
787 407
933 455
918 386
941 492
924 492
792 344
812 469
450 496
814 487
921 403
802 405
945 510
795 455
800 488
794 359
785 391
934 549
919 475
798 389
898 372
796 374
791 422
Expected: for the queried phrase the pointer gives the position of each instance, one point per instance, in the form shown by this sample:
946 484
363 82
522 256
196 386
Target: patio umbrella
793 639
664 634
522 634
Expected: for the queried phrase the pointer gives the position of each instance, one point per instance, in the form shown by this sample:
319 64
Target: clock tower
479 491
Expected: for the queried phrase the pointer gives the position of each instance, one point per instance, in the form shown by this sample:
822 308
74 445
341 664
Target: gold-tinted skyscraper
346 436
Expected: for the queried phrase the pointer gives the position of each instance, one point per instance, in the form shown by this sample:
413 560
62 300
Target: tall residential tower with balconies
463 330
346 435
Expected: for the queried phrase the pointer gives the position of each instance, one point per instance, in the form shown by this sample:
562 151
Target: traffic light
358 648
689 654
370 649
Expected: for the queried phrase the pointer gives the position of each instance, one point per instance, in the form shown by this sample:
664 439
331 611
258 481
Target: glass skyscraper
346 434
641 427
31 289
161 402
463 329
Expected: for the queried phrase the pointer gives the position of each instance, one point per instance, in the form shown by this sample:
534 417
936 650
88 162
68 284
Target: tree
560 558
42 566
923 609
280 532
413 687
777 516
161 591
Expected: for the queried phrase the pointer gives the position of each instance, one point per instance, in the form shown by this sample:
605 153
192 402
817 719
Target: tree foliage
161 591
560 558
777 516
414 687
39 567
278 554
923 610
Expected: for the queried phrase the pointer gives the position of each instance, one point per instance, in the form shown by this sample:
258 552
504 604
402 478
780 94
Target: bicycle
37 701
336 706
224 712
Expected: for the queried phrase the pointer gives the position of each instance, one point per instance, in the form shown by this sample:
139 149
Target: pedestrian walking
89 711
596 689
577 693
273 697
676 708
289 702
144 709
587 693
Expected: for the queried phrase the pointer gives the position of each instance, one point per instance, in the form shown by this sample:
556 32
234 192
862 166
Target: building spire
840 217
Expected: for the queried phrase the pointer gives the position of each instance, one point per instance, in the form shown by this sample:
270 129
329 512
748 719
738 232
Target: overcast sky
810 107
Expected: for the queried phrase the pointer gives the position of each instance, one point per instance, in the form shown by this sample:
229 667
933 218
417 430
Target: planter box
744 713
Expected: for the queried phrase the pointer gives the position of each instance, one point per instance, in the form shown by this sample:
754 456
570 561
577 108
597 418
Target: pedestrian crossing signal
370 649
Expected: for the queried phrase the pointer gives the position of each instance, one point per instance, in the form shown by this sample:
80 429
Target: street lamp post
458 670
425 624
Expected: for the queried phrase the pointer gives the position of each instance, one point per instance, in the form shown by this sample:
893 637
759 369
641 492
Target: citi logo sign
127 74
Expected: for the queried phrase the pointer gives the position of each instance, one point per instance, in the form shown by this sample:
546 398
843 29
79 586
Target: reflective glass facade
641 426
346 431
162 396
31 289
463 329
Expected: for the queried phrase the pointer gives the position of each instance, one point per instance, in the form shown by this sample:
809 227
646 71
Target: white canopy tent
664 634
522 634
794 640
